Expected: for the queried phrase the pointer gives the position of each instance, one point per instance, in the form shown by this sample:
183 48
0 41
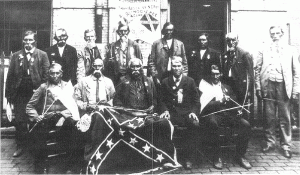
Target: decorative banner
143 17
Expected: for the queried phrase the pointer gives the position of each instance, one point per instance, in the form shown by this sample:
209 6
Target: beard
90 44
124 38
136 73
97 73
61 43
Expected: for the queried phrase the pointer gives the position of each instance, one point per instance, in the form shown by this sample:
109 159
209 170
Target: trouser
68 136
240 125
21 119
188 141
276 99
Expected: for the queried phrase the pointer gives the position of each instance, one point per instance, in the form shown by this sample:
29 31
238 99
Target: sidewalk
271 163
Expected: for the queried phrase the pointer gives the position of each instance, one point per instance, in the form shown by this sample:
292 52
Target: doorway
193 17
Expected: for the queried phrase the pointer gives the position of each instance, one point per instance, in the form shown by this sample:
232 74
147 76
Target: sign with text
143 17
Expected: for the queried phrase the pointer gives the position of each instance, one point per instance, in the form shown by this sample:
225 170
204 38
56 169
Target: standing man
180 103
87 56
277 81
28 69
162 51
202 58
120 53
65 55
237 69
216 96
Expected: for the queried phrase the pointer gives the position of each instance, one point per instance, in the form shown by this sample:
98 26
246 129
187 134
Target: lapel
87 53
34 58
175 46
164 45
182 82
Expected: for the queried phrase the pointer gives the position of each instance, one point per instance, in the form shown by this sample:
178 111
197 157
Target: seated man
136 91
94 89
90 92
180 101
216 96
53 102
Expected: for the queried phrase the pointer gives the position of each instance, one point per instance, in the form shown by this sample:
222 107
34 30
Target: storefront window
18 16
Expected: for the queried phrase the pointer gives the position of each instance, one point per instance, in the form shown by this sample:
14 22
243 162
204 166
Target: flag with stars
148 138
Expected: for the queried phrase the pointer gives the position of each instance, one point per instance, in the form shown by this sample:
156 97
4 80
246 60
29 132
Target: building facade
251 19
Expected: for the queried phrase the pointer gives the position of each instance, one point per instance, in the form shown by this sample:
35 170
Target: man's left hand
150 109
193 116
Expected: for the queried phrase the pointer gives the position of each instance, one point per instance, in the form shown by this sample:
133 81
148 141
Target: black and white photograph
93 87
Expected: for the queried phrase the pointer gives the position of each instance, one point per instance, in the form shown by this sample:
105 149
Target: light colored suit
290 67
276 93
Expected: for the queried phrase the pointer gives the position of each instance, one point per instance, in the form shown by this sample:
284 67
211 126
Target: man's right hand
91 108
165 114
258 94
39 118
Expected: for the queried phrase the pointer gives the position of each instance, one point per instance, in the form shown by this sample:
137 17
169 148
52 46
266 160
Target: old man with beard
136 91
65 55
119 54
88 54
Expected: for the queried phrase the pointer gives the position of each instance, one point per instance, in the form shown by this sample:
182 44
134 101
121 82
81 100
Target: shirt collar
95 79
180 77
61 47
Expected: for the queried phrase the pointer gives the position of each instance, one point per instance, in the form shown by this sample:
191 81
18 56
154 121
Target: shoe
188 165
18 152
45 170
243 162
218 163
268 148
287 154
69 172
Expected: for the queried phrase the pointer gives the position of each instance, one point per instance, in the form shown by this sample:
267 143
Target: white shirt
92 90
217 89
169 42
202 52
61 50
177 83
31 51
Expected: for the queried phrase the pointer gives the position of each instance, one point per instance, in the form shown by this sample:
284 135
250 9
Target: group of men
183 89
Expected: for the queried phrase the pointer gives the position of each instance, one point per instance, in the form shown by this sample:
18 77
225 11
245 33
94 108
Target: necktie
92 53
97 90
177 81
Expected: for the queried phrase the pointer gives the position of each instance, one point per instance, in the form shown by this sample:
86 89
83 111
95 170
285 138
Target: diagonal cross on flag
122 129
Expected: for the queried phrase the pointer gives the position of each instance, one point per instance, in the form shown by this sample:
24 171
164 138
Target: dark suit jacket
68 61
200 68
111 67
242 66
123 92
160 54
190 101
38 71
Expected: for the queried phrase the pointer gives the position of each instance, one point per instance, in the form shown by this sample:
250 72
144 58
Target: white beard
90 45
